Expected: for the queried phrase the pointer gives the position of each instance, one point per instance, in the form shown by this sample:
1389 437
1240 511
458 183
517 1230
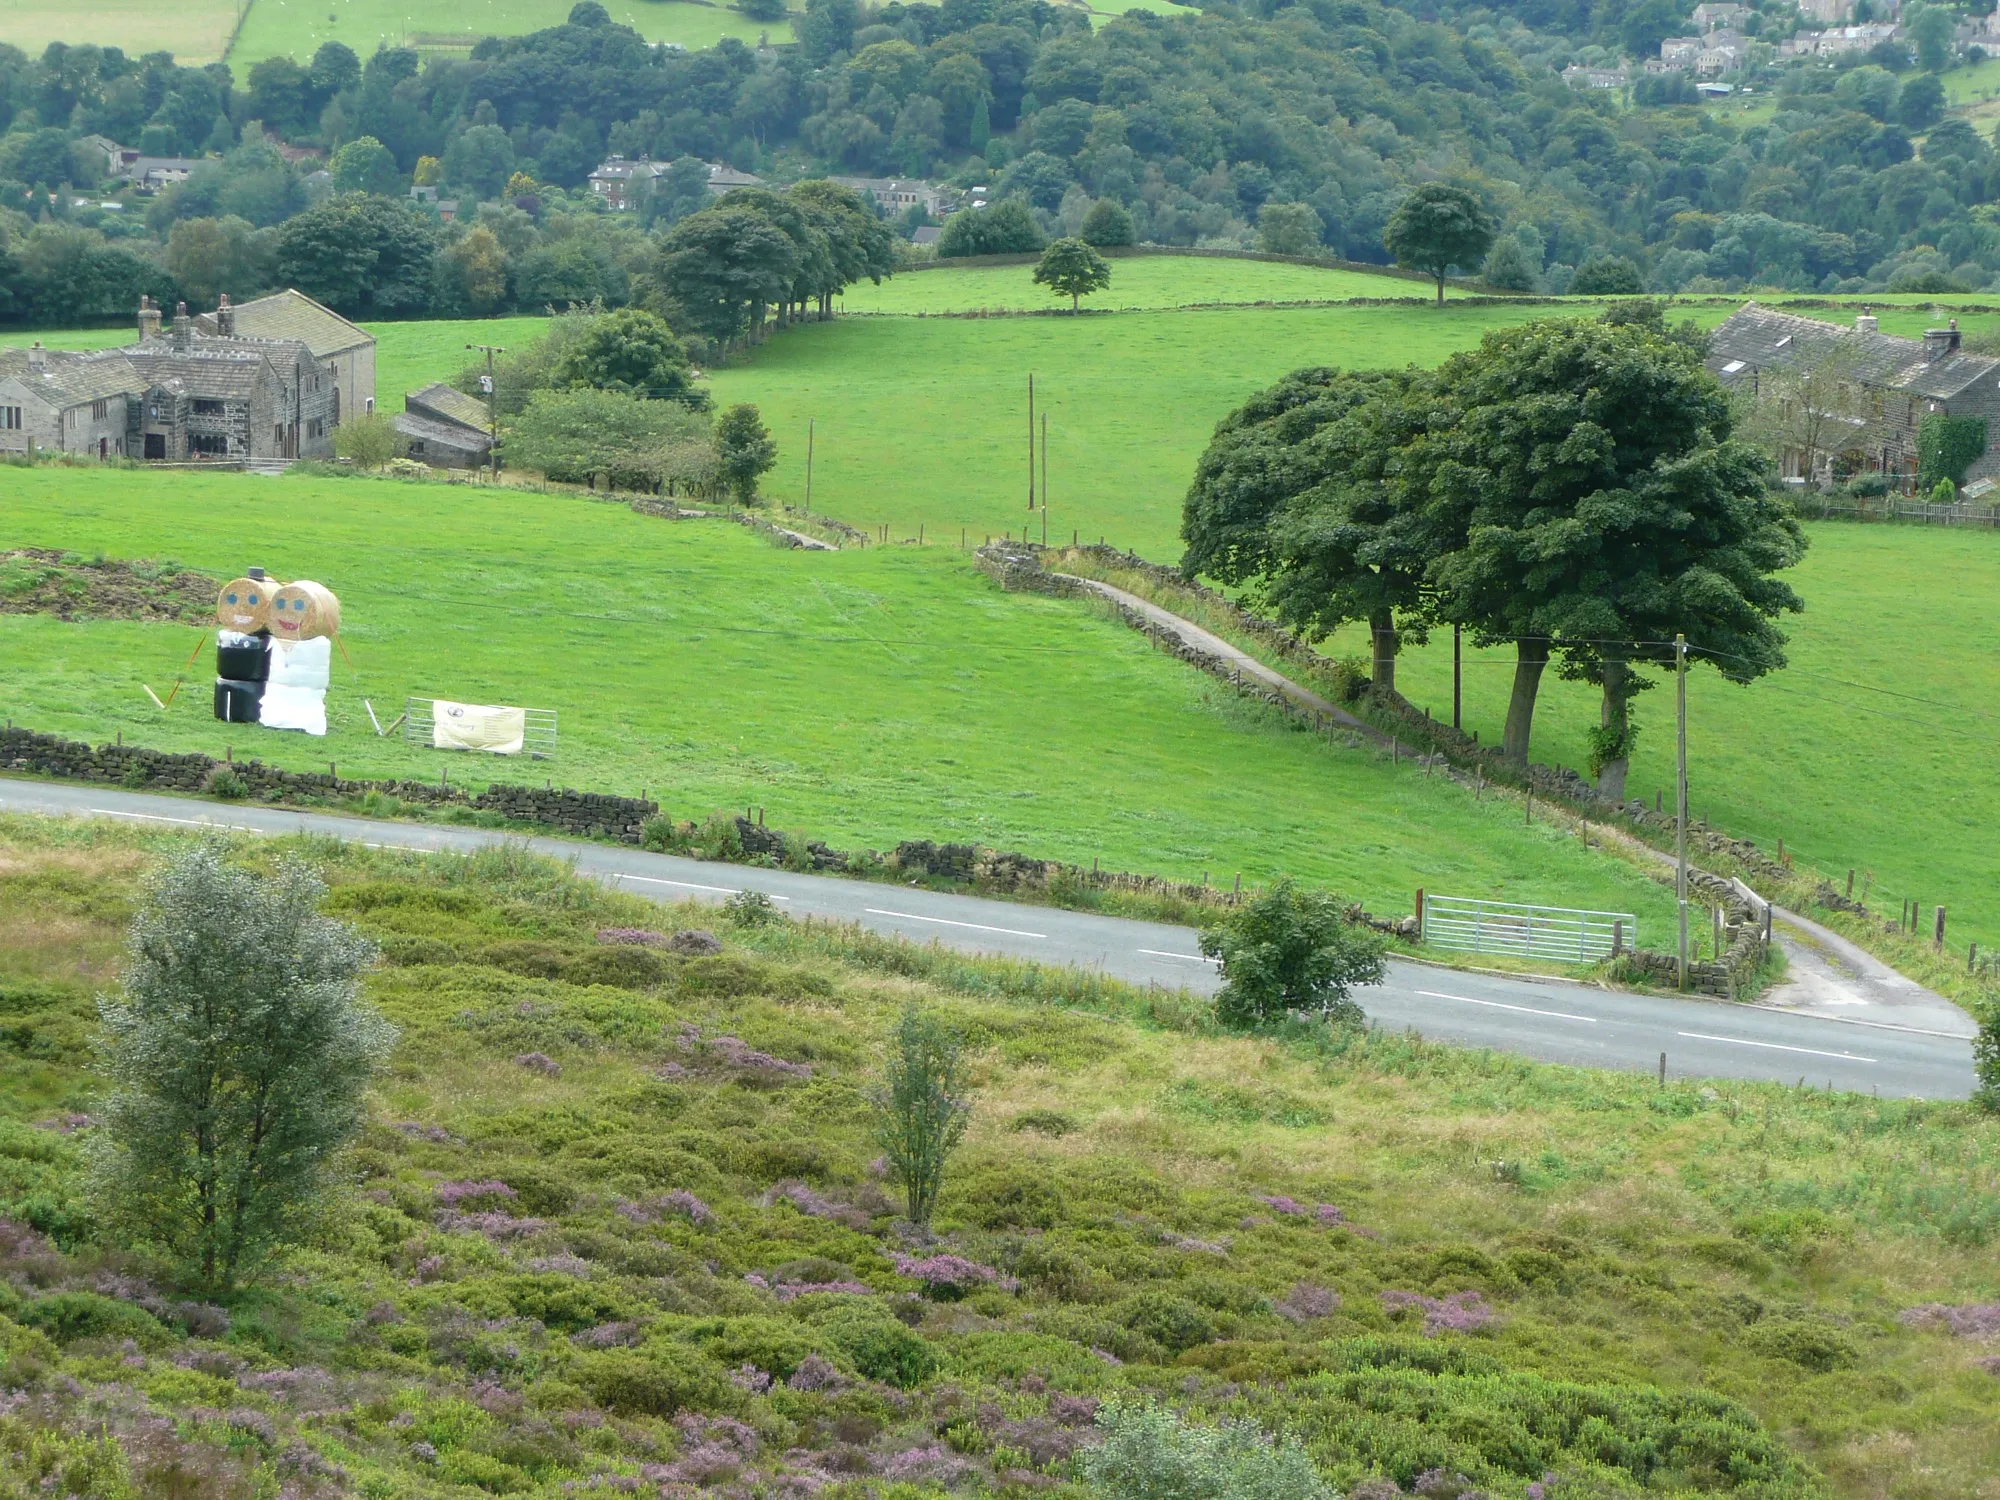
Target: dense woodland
1194 125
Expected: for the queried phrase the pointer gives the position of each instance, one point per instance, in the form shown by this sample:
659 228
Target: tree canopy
1071 268
1436 227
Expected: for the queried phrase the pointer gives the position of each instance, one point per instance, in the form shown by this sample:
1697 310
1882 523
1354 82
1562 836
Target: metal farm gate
1557 933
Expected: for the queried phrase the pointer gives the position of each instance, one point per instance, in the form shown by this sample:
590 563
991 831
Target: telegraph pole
1045 478
1031 440
1681 796
811 423
492 408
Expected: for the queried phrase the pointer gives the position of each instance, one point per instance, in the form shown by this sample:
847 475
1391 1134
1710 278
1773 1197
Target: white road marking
1193 958
112 812
687 885
403 848
1526 1010
1702 1036
910 916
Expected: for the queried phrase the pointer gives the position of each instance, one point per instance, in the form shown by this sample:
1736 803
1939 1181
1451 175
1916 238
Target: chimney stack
149 319
38 357
1940 343
183 329
1864 321
225 318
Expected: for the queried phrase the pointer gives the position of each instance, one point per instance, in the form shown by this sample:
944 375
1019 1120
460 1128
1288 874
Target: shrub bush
1149 1453
69 1316
1288 950
1172 1322
658 1381
880 1347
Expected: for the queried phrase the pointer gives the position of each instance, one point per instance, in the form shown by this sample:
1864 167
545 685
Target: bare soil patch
44 581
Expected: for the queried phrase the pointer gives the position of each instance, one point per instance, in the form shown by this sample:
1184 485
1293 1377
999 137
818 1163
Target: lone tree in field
238 1050
922 1108
1437 227
1071 268
368 441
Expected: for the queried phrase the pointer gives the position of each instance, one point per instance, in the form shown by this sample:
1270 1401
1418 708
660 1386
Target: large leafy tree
1436 227
633 351
1598 505
720 266
814 263
1294 496
361 255
862 246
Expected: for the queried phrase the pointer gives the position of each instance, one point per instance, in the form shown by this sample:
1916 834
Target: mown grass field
195 31
922 423
1681 1292
295 28
1137 281
859 697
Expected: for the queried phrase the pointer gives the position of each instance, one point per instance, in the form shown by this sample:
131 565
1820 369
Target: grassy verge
1688 1291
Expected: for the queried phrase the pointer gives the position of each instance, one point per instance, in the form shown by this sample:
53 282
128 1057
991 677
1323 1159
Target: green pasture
195 31
1873 750
862 697
1137 281
295 28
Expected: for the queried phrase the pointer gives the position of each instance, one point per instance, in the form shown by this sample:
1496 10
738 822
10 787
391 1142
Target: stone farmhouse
1889 386
193 393
445 428
616 179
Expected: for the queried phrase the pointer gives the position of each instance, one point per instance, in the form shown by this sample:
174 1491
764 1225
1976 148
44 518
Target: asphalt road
1556 1021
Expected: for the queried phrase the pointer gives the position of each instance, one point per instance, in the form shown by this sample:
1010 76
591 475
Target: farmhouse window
207 407
97 409
10 418
208 444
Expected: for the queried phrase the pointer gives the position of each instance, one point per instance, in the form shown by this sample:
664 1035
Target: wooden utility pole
492 409
1031 440
811 423
1681 796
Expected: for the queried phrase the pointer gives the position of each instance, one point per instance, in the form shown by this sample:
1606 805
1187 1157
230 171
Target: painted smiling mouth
286 625
244 619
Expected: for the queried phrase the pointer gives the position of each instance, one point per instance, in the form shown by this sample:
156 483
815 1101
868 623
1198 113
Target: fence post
1617 938
1420 913
1937 937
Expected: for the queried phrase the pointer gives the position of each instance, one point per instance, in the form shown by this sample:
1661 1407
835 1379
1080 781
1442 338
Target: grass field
860 697
1137 281
1686 1293
195 31
295 28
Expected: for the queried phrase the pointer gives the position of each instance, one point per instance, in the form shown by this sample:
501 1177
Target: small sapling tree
367 442
1288 950
744 450
238 1050
1986 1054
922 1107
1072 268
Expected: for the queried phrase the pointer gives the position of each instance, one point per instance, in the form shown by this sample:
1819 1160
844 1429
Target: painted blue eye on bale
231 598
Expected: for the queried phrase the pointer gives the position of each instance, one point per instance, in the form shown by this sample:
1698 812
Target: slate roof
444 434
68 378
206 375
1756 337
449 404
293 315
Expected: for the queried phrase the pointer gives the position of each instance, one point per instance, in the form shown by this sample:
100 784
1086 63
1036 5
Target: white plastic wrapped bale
295 692
478 726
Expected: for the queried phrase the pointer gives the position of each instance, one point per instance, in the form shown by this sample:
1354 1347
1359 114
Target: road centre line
112 812
910 916
1193 958
1528 1010
1702 1036
687 885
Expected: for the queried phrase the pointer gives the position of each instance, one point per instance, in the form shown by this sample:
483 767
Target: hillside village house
616 179
207 388
445 428
1889 386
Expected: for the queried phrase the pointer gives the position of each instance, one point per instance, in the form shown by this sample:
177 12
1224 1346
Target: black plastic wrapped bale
242 658
237 702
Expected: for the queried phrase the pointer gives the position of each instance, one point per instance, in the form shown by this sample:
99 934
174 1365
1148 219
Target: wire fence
1558 933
